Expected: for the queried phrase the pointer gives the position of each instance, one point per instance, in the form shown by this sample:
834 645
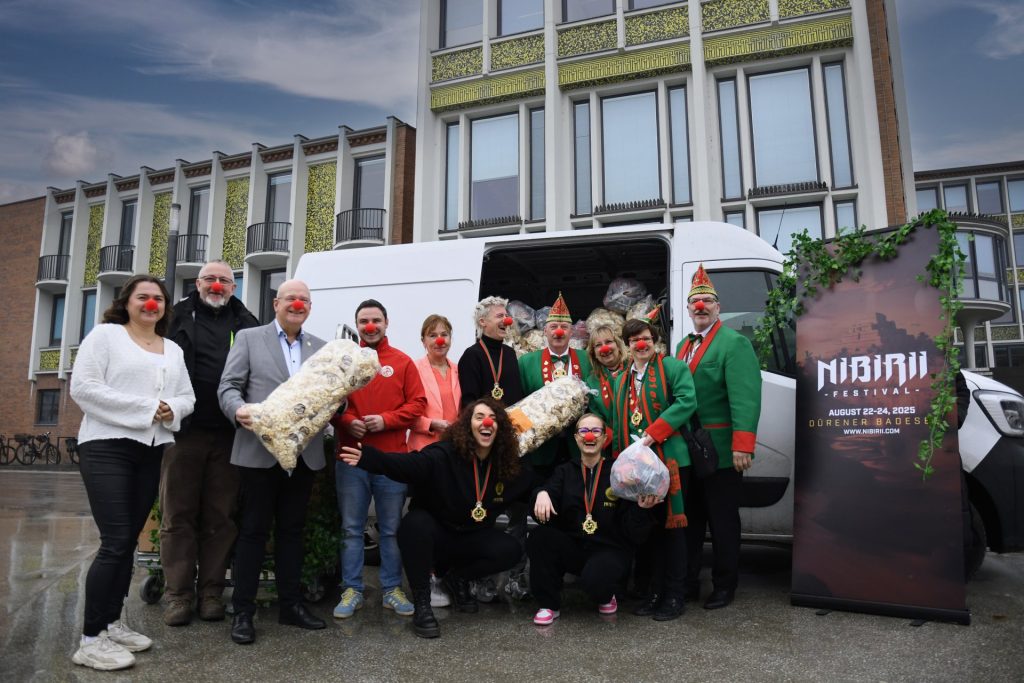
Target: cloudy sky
89 87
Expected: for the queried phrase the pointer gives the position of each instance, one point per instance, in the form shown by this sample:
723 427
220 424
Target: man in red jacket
377 415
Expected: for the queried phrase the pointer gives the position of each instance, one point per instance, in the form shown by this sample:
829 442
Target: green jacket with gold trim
532 376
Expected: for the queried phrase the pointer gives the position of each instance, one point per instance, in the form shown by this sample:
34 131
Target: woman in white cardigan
134 390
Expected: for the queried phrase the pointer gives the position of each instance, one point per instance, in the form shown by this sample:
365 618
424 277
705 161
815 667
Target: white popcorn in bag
548 411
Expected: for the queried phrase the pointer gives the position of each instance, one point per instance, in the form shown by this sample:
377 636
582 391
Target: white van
449 277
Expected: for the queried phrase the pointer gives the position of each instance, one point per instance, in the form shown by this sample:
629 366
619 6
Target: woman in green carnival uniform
606 352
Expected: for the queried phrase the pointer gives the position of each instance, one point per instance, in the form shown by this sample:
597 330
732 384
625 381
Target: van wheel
974 551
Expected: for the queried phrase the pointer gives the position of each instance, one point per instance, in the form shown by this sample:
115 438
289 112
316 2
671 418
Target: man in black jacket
198 484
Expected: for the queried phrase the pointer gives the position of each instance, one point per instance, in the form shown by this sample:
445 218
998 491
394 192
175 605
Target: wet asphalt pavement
48 539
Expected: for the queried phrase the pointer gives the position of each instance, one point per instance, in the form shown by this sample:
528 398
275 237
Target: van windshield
744 295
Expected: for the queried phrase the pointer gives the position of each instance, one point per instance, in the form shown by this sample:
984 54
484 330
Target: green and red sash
547 367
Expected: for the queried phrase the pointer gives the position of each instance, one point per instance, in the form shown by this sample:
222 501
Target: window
270 280
1018 248
369 192
630 143
494 184
536 164
927 199
729 133
64 241
238 284
1015 188
782 127
517 16
777 226
745 296
581 115
57 320
846 215
198 210
88 313
955 198
985 267
680 146
462 22
683 219
644 4
577 10
451 179
279 197
990 198
838 129
128 222
48 406
737 218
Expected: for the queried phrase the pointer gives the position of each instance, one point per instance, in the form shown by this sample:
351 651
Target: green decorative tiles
654 26
320 207
49 360
158 234
488 90
817 34
1018 220
579 40
517 52
235 211
717 15
92 247
614 68
796 8
449 65
1005 333
73 354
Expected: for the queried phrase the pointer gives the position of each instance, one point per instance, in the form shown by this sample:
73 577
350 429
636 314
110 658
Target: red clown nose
298 306
487 422
216 288
507 320
151 305
698 306
559 333
370 328
589 438
439 341
641 345
604 349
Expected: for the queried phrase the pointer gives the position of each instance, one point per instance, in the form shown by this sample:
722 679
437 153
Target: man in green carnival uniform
653 397
540 367
727 376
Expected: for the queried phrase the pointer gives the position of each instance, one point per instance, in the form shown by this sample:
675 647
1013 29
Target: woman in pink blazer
440 379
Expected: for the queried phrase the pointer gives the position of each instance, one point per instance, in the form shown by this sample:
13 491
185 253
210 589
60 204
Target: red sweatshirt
396 394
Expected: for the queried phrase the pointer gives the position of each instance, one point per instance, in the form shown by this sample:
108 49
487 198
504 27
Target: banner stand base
884 609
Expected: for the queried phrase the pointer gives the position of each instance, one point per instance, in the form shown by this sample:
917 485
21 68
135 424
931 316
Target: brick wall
404 184
888 124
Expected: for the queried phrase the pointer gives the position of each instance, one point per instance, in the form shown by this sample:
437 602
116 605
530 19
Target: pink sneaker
545 616
611 607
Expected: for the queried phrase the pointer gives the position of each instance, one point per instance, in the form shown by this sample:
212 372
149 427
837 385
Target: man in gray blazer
260 360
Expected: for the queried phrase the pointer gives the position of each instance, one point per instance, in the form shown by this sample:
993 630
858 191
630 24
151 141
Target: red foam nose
641 345
216 288
507 320
589 438
698 306
487 422
604 349
151 305
298 306
559 333
439 341
370 328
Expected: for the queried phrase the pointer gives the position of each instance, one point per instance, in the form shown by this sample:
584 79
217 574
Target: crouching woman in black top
460 486
585 529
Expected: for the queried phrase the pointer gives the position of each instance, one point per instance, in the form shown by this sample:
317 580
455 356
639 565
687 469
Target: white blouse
119 385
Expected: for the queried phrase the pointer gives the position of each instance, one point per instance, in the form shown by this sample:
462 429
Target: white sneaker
438 598
127 638
104 654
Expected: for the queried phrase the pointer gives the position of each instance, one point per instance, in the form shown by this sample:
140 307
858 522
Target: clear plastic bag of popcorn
547 411
622 293
525 317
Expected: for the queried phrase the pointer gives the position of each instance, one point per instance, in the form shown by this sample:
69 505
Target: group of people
166 394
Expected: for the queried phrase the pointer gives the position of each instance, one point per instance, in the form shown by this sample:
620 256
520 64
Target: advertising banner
870 534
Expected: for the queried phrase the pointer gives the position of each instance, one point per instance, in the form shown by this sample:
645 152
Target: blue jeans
355 487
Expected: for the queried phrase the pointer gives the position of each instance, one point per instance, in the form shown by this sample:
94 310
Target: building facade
546 115
259 210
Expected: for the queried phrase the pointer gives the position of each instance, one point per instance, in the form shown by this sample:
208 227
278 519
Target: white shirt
292 350
119 385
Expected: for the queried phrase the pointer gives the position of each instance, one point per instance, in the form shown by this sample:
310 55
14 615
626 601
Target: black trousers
271 498
715 502
601 568
662 560
426 544
121 477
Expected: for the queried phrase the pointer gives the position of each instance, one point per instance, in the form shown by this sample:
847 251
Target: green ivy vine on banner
815 265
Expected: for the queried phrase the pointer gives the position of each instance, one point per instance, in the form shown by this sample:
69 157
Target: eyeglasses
707 301
289 299
597 431
209 279
634 340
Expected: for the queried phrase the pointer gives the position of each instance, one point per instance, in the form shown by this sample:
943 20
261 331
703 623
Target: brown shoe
211 608
178 612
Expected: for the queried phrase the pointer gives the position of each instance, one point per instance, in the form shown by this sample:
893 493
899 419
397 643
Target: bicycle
71 447
6 450
30 448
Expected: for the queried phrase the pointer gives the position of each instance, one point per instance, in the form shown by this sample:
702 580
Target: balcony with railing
116 261
359 228
986 287
52 274
266 244
191 252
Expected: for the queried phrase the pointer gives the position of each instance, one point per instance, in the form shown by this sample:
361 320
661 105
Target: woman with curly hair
462 483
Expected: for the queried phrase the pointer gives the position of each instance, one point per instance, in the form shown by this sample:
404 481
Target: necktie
695 341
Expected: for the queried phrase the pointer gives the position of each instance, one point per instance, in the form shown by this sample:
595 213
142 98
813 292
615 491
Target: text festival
894 369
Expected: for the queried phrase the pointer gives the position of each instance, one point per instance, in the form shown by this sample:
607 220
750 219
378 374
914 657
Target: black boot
648 606
458 588
423 622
